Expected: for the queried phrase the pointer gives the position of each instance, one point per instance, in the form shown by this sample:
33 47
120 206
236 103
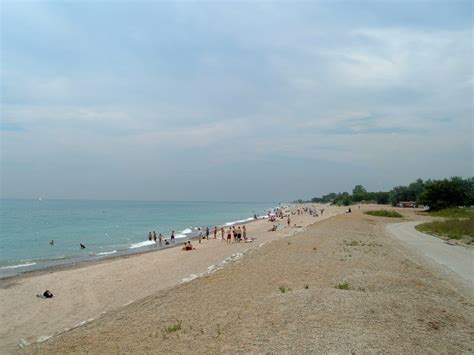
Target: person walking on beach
215 232
244 230
229 236
207 233
222 234
289 220
172 236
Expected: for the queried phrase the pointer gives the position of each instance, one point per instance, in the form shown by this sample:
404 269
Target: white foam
142 244
239 221
186 231
17 266
107 252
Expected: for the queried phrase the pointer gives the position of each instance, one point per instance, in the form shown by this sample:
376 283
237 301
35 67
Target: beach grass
459 229
454 213
384 213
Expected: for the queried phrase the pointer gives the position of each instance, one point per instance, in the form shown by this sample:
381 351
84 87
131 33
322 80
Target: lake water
104 227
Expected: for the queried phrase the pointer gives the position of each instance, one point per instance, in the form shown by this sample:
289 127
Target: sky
232 101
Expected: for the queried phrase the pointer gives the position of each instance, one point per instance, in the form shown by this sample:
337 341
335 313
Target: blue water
27 226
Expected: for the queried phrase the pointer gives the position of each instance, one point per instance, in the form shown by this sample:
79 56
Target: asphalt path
455 257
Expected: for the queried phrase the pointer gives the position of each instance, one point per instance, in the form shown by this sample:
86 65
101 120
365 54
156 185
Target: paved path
456 258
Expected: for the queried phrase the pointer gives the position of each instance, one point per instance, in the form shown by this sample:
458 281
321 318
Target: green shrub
385 213
343 285
173 328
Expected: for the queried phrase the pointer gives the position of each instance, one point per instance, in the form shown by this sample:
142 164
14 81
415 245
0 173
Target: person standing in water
160 238
172 236
150 237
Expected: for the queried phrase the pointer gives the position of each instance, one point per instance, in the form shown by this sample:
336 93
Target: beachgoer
166 242
51 242
215 232
172 236
160 238
48 294
82 246
185 247
190 246
207 233
150 237
245 232
154 236
288 221
222 234
229 236
254 216
239 234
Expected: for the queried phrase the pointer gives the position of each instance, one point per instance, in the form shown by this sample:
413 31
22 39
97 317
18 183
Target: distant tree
329 197
381 197
415 189
399 193
440 194
359 193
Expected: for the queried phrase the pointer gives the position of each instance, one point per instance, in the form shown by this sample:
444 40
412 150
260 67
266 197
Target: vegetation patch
454 213
284 289
460 229
343 285
384 213
173 328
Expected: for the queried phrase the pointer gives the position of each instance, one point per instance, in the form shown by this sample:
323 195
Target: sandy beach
339 285
86 291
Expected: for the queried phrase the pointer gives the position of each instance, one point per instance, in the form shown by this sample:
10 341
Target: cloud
186 87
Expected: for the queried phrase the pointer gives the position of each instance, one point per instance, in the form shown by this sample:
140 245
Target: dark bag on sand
48 294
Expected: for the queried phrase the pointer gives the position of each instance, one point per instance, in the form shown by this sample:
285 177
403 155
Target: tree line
436 194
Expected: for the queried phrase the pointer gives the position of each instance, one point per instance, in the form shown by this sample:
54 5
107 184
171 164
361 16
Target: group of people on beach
152 237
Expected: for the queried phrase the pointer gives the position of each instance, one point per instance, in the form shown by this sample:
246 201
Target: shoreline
45 266
84 291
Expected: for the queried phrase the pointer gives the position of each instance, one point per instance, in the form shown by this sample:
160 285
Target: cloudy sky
254 101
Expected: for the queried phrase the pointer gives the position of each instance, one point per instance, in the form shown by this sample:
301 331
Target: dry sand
395 302
85 292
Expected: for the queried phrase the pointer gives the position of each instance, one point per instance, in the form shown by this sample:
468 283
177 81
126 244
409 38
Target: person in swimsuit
154 236
172 236
229 236
222 234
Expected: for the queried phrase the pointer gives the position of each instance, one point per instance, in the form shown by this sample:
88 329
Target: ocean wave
107 252
142 244
228 224
186 231
17 266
